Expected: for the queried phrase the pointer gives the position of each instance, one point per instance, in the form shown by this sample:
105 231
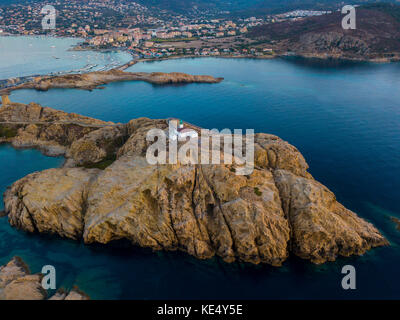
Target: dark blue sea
343 117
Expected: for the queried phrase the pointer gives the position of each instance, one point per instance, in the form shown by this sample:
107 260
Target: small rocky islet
94 80
107 191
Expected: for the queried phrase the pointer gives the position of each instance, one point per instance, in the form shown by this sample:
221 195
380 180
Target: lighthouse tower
180 125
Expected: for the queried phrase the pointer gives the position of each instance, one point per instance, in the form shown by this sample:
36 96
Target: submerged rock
204 210
395 220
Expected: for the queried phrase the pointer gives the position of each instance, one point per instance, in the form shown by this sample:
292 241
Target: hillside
245 7
377 35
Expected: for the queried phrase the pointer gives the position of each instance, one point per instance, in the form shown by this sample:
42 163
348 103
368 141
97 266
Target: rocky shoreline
93 80
17 283
107 191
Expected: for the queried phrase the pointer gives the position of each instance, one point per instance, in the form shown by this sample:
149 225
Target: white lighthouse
180 132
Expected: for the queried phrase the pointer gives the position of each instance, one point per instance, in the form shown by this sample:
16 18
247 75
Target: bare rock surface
201 210
204 210
54 201
15 269
321 227
97 145
50 130
74 294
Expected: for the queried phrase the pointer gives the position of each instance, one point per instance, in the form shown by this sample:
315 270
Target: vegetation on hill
7 131
388 8
248 7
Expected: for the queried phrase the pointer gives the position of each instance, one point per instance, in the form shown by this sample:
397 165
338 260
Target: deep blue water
345 119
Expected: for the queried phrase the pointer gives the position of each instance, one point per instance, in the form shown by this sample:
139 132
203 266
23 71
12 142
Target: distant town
145 33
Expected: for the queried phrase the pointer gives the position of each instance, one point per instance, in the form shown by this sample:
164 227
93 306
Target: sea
343 117
26 55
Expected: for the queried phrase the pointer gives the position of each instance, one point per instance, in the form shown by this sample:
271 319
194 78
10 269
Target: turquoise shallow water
24 56
344 118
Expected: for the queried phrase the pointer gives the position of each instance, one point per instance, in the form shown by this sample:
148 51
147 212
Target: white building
180 132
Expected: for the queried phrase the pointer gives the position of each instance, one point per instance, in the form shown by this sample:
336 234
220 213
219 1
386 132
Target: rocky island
92 80
107 191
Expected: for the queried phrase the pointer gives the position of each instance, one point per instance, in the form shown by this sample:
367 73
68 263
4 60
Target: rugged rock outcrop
97 145
52 131
204 210
52 203
321 227
17 283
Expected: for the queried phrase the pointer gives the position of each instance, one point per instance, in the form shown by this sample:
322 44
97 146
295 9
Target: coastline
118 74
12 84
319 56
316 56
372 257
121 230
276 56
